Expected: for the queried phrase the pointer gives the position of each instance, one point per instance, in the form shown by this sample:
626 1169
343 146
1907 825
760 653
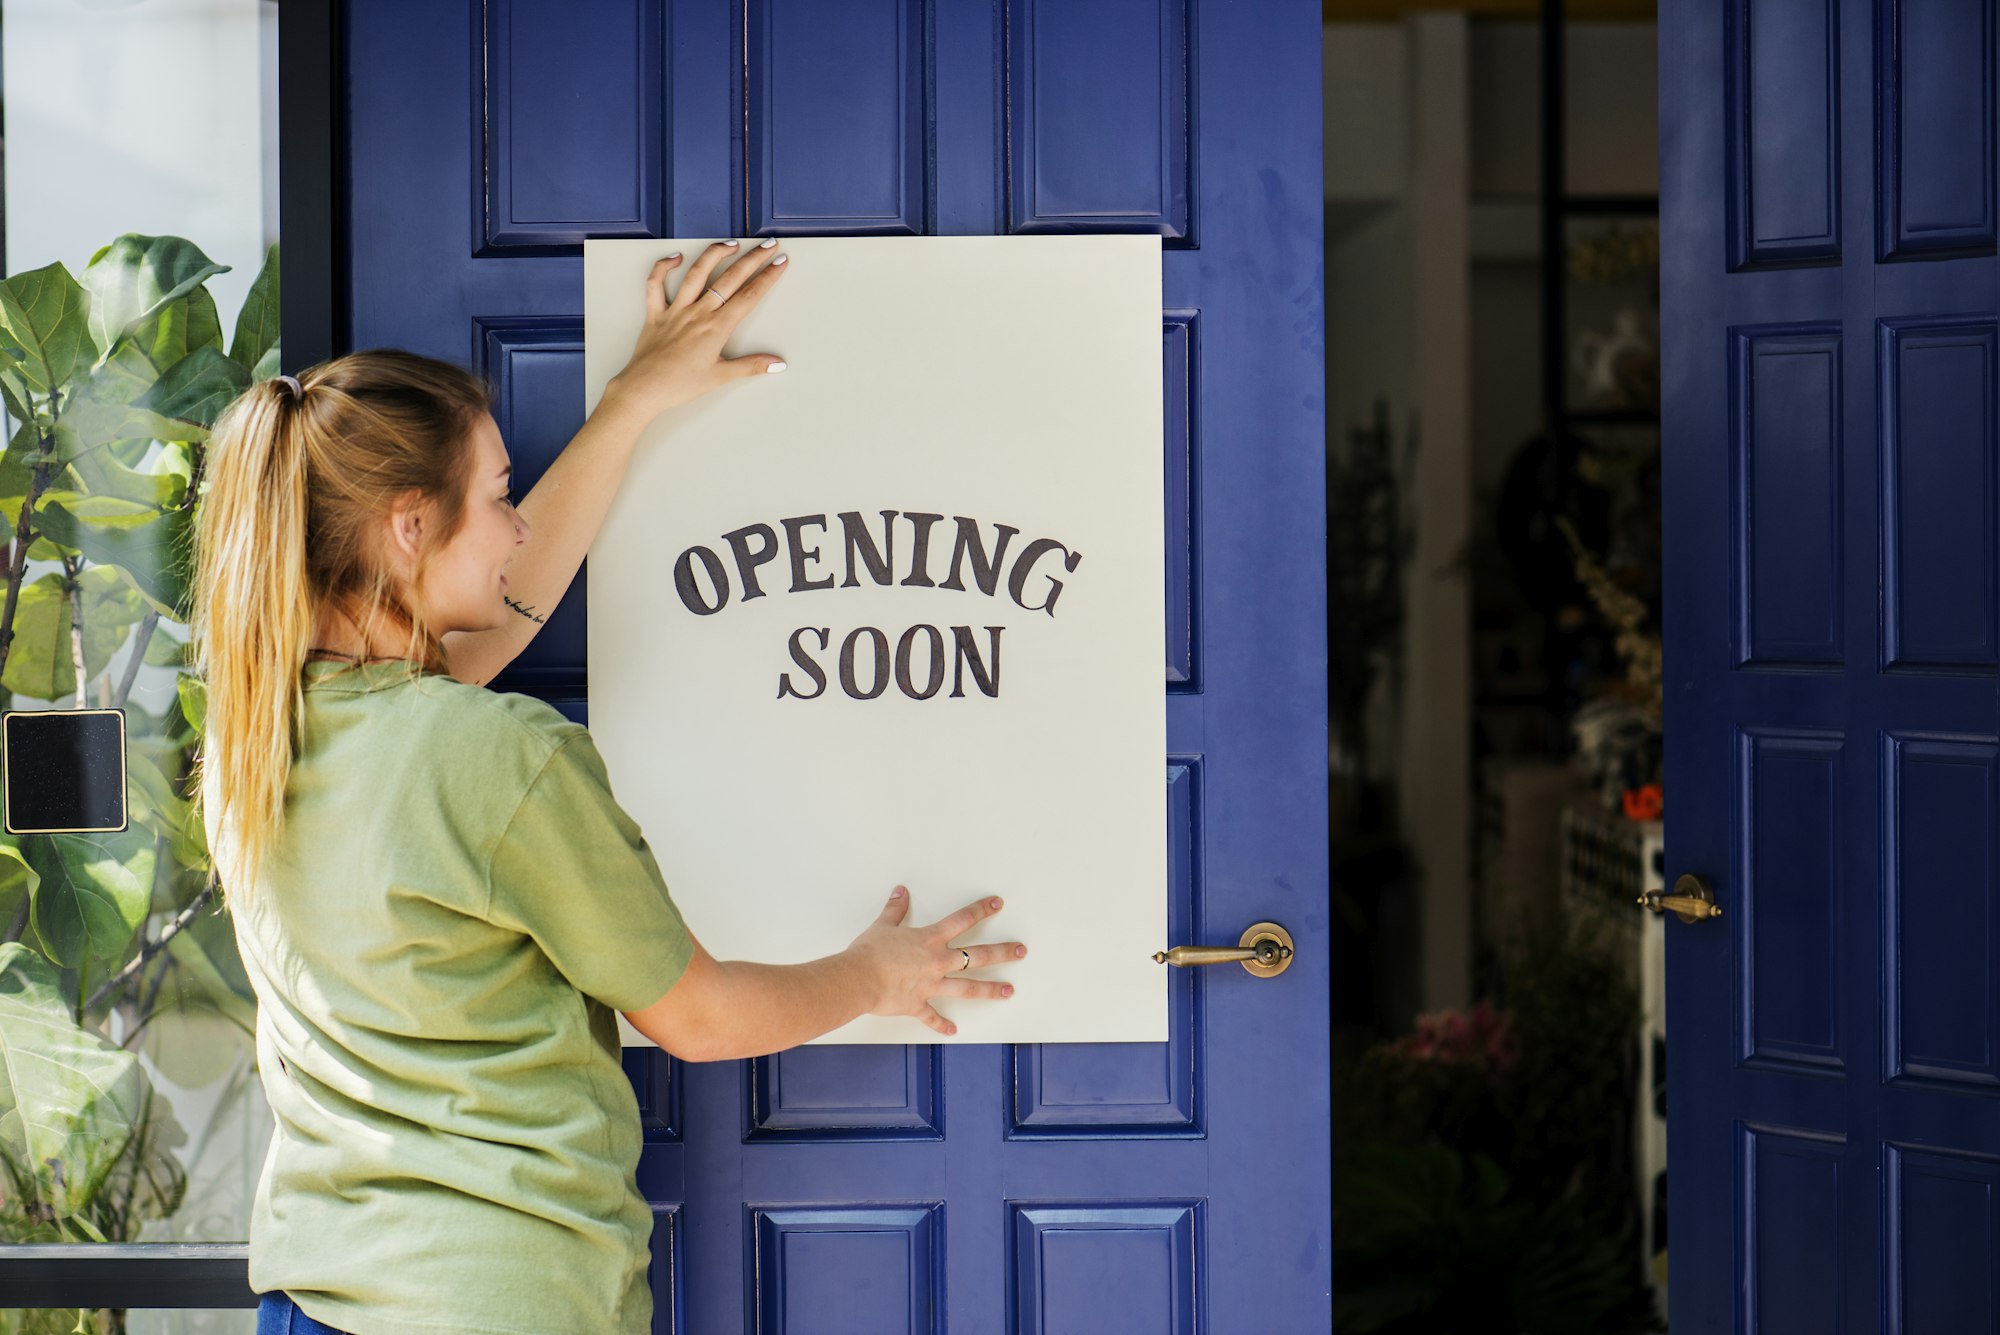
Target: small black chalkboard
65 770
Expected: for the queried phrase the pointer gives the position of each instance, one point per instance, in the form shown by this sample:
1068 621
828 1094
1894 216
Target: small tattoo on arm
527 612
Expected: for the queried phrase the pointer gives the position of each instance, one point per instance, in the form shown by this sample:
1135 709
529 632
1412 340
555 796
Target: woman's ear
407 518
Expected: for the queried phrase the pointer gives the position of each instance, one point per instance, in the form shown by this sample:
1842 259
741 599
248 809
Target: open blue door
1136 1188
1832 475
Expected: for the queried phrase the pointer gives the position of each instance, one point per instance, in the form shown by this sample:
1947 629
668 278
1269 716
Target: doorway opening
1492 259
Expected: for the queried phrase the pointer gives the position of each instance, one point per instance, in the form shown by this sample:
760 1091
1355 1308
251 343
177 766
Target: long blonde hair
292 523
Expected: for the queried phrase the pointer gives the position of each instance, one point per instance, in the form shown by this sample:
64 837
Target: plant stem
145 1008
20 923
72 567
200 452
152 948
24 536
153 988
140 644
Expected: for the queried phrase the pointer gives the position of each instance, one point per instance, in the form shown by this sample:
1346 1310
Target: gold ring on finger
968 959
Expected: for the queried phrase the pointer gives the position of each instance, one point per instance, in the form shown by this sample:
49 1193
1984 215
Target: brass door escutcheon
1692 900
1265 950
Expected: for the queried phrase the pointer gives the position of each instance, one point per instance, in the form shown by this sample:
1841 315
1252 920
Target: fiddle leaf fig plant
112 380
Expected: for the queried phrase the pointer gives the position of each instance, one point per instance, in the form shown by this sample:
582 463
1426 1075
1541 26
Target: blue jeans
277 1314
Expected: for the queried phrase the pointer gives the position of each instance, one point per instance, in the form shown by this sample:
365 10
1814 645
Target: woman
439 903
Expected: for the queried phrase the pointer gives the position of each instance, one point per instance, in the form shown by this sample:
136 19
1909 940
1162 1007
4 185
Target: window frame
311 212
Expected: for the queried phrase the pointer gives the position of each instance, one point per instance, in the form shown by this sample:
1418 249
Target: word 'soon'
965 657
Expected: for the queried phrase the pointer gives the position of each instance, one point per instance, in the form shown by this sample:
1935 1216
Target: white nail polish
676 255
767 243
729 243
774 368
779 260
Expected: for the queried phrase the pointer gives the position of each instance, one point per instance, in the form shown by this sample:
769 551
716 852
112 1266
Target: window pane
147 119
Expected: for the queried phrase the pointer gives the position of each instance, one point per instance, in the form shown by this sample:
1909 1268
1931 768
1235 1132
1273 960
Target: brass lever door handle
1692 900
1265 950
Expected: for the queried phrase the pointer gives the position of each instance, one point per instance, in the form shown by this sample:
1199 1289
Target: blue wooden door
1129 1188
1833 636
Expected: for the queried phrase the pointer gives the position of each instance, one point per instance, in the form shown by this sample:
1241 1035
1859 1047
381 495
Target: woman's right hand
910 965
678 355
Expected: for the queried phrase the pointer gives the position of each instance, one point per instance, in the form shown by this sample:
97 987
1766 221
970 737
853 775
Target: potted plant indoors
112 380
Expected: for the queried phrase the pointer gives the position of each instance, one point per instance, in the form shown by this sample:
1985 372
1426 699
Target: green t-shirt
453 910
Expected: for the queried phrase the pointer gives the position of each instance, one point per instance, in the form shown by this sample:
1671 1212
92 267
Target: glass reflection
138 221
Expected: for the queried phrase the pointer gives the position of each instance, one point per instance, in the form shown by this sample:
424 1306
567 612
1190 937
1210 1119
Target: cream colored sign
896 616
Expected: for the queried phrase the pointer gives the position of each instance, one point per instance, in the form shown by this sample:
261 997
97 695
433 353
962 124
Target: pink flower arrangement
1480 1037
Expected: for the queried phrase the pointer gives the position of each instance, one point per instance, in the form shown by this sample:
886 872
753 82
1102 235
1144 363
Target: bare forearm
565 510
716 1010
676 359
777 1006
763 1008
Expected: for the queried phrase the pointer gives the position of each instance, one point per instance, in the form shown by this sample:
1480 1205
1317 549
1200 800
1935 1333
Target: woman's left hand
678 356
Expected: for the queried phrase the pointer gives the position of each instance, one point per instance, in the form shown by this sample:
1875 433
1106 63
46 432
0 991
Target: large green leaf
154 803
177 729
17 878
40 663
269 364
95 891
45 549
257 322
39 657
114 403
175 459
135 277
194 1044
193 693
206 951
106 414
148 741
166 650
179 328
15 873
98 429
98 474
17 474
14 391
68 1099
100 511
43 316
159 555
121 377
198 387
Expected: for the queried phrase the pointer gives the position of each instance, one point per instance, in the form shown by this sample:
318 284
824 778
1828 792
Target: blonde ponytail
299 484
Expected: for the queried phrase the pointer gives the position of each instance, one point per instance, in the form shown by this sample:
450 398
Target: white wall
1370 259
1370 263
137 116
1366 138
